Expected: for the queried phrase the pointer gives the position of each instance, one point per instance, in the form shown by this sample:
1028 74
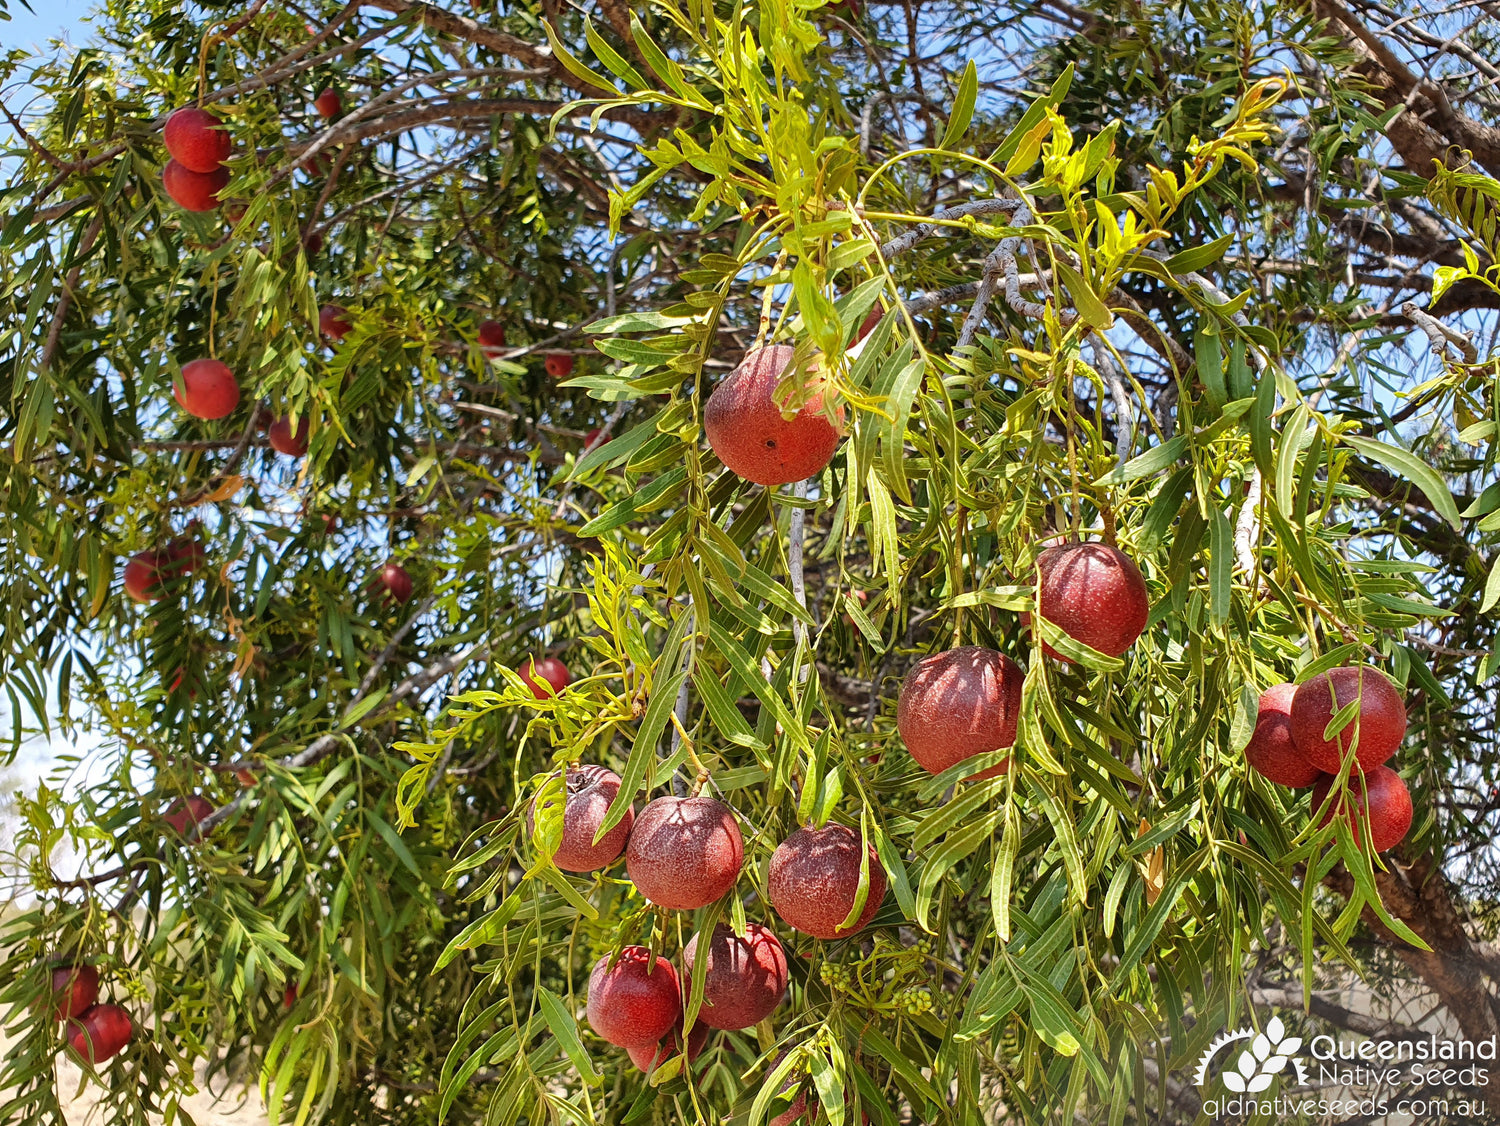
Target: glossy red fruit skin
814 877
181 815
1272 751
287 441
559 364
334 322
74 991
143 576
193 191
550 671
644 1056
745 427
959 703
395 582
590 789
328 104
208 390
745 979
100 1033
491 337
1381 721
197 140
1095 594
629 1006
684 853
1389 803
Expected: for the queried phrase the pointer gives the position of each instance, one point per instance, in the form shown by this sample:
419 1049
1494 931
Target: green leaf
1090 305
1491 589
1209 353
1220 565
1195 258
611 58
574 67
1152 461
1034 113
565 1028
1406 464
963 107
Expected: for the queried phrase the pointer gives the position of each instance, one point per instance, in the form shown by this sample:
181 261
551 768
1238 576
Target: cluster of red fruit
1290 747
559 365
96 1032
198 145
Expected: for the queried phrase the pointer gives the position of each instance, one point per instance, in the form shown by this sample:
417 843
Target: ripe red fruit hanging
745 979
1386 797
182 814
491 338
193 191
799 1104
143 576
197 140
635 1002
334 322
745 427
589 790
181 557
548 670
287 441
559 364
312 242
867 326
960 703
208 389
1095 594
814 877
647 1055
684 853
590 438
100 1033
394 582
328 104
1271 750
74 990
1380 723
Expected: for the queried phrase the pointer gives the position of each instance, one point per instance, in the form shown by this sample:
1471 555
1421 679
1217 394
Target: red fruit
100 1033
334 322
289 996
328 104
193 191
1383 793
654 1055
312 243
285 440
559 364
813 879
394 581
182 557
867 326
1095 594
143 576
491 338
197 140
746 429
1271 750
635 1002
745 979
960 703
181 815
1379 725
208 389
799 1103
590 789
548 669
590 438
74 990
684 852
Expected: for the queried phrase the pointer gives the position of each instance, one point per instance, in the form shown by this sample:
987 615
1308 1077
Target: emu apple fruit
287 441
559 364
334 322
745 978
590 789
1386 797
208 389
647 1056
549 670
183 814
100 1033
193 191
960 703
1271 749
684 852
745 427
143 576
491 338
1095 594
813 879
633 1003
1380 723
197 140
328 104
394 582
74 991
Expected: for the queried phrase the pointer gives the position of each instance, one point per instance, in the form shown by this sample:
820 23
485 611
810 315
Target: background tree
1212 282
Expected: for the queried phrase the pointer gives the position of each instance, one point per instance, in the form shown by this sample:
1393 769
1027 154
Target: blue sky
49 20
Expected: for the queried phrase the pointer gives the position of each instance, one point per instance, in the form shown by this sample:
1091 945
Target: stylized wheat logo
1268 1054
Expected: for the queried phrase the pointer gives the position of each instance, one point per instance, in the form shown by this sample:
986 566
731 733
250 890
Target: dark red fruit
549 671
1095 594
814 877
1272 750
745 979
1379 726
393 580
867 326
328 104
1385 795
646 1056
100 1033
684 852
208 389
635 1002
559 364
197 140
590 789
334 322
143 576
590 438
193 191
312 242
183 814
287 441
745 427
74 990
960 703
491 338
289 996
